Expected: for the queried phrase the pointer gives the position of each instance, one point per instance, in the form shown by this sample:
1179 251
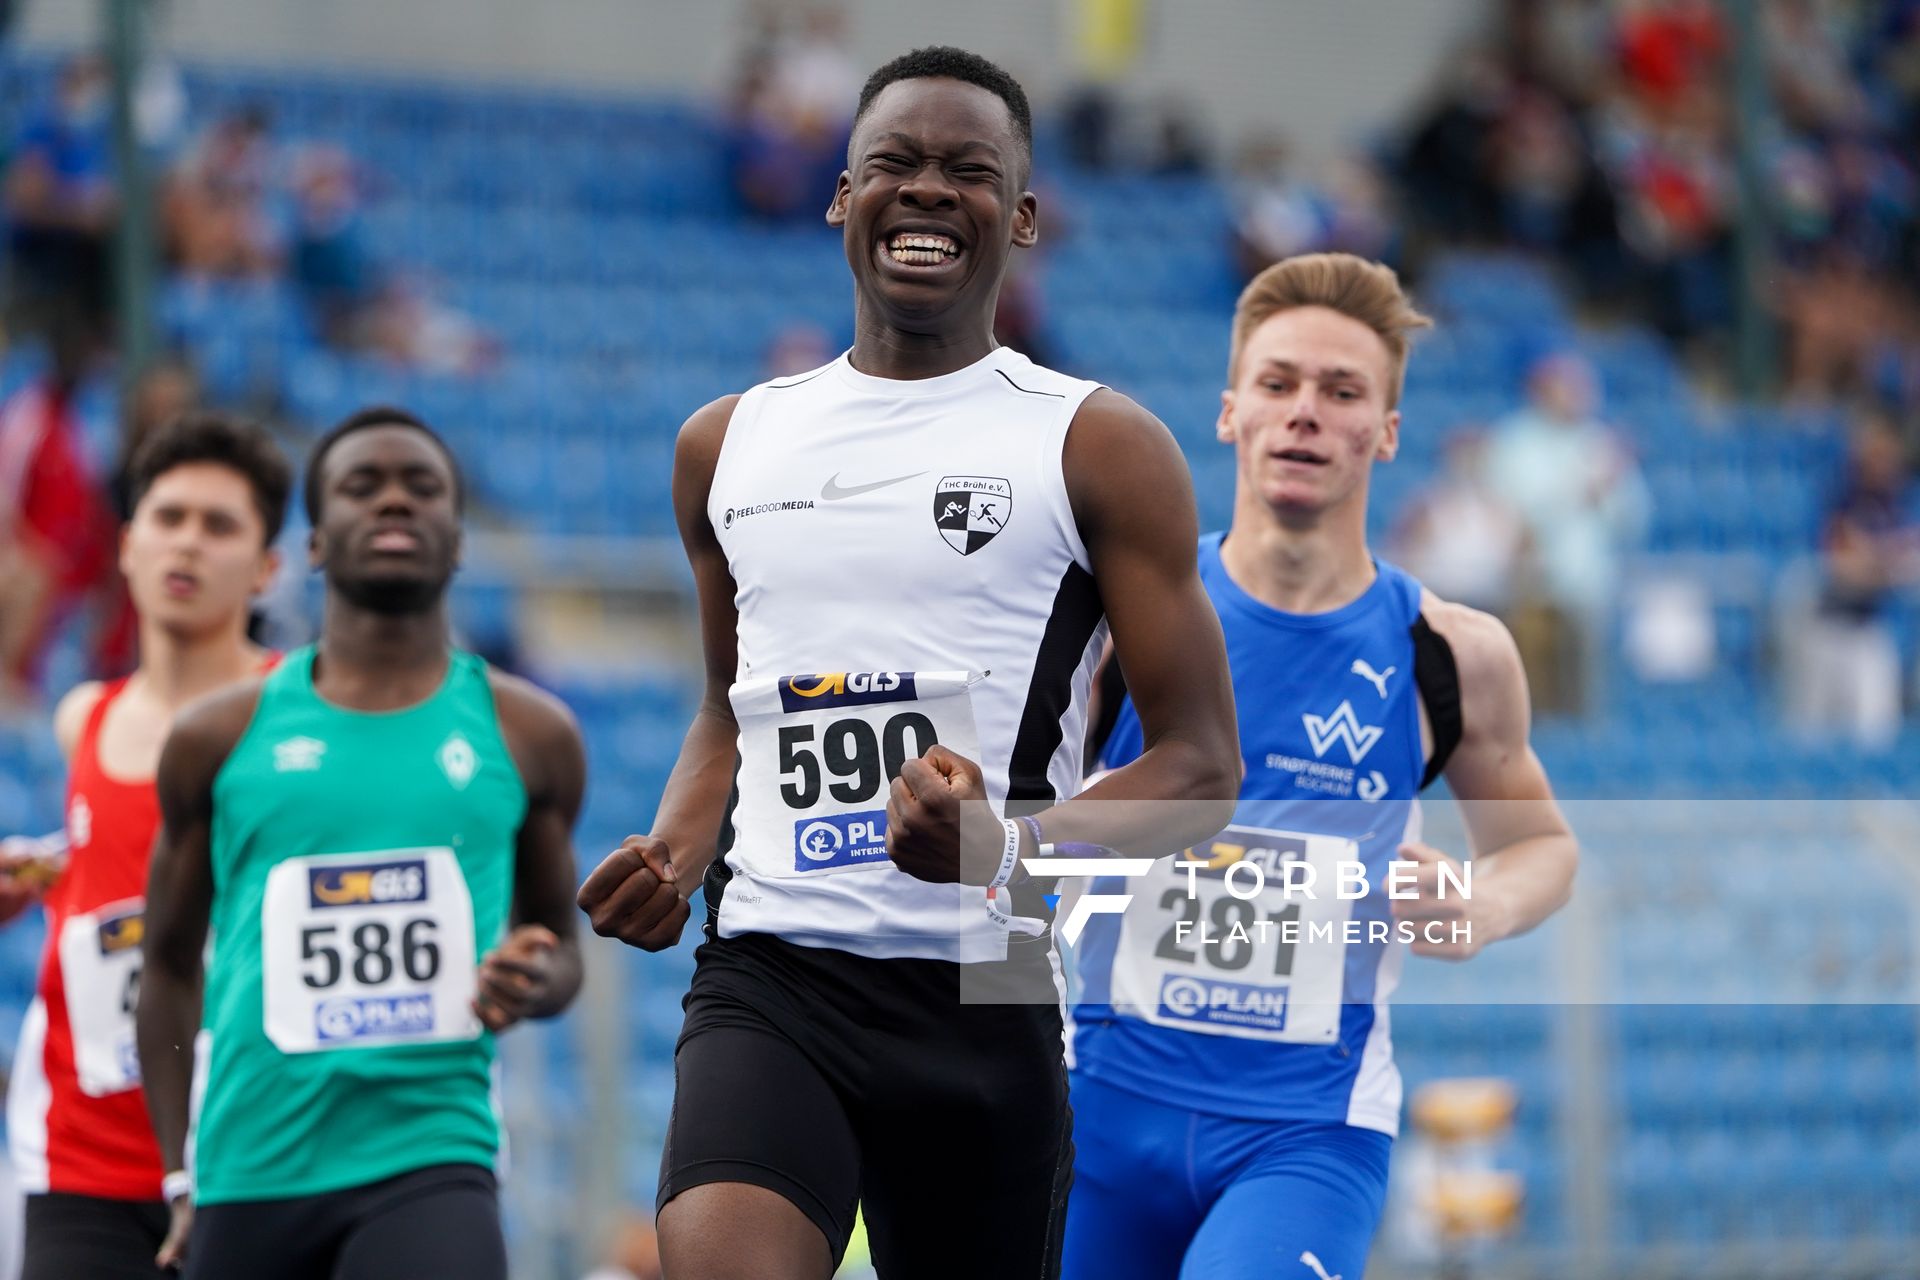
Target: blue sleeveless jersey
1203 1016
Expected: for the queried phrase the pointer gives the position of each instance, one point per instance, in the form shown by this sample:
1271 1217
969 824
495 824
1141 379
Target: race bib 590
826 748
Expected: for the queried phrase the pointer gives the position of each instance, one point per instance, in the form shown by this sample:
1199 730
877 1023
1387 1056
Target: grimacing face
388 536
194 552
1308 413
931 204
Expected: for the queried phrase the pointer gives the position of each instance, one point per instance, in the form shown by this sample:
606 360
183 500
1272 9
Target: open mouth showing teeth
922 250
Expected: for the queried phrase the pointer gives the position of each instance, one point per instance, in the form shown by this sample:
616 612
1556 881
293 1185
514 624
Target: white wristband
176 1184
1009 856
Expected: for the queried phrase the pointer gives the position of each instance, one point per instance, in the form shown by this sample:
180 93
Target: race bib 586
364 949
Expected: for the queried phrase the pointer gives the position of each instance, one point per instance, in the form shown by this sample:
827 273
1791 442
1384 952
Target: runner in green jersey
377 836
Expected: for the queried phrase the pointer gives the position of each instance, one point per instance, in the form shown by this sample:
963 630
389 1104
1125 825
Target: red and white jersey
76 1116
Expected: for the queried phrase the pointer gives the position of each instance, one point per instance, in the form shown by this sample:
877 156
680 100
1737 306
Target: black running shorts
440 1223
839 1081
69 1236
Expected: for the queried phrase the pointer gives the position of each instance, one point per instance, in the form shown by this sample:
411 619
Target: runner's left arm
1524 853
179 905
1133 504
535 972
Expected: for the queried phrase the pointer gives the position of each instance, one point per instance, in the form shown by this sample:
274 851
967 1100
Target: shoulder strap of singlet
88 747
1437 677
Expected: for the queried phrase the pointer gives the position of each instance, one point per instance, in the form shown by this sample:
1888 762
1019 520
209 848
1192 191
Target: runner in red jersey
209 498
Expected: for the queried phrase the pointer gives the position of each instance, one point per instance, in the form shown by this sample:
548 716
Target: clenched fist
635 896
926 837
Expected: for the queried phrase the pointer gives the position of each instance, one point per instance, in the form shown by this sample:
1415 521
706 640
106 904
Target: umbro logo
1342 726
298 755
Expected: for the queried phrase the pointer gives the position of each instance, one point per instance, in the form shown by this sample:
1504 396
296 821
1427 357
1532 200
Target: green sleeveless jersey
362 864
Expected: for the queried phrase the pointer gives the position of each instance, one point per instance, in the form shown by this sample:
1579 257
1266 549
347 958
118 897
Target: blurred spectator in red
61 203
1459 535
1846 673
1584 504
791 107
1669 51
56 529
215 205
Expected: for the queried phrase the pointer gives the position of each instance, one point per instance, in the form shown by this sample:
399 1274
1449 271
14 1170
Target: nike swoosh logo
832 492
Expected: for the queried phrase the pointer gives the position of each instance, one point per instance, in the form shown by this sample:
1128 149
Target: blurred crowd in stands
233 203
1605 137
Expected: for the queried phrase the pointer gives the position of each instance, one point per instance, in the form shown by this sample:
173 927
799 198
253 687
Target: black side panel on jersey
1111 684
714 883
1437 677
1070 625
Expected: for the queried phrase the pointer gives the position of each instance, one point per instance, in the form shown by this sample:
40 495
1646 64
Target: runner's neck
1315 569
380 662
881 351
174 670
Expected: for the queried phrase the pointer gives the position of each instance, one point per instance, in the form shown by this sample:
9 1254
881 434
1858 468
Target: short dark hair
943 61
379 415
244 447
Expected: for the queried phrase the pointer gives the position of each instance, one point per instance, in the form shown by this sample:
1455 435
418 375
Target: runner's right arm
179 902
639 893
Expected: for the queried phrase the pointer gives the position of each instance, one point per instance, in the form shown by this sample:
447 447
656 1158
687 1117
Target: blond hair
1366 291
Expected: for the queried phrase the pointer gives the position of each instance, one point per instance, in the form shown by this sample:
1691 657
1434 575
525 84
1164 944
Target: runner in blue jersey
1234 1089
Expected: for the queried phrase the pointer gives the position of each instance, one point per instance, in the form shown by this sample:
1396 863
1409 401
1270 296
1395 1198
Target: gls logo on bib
373 883
844 689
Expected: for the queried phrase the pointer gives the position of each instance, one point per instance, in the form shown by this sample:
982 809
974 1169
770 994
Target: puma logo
1308 1257
1378 679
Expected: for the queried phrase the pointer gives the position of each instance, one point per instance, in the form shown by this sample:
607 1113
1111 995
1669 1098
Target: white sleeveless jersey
907 570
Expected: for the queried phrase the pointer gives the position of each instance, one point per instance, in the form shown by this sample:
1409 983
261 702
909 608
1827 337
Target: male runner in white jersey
1233 1076
907 562
208 498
